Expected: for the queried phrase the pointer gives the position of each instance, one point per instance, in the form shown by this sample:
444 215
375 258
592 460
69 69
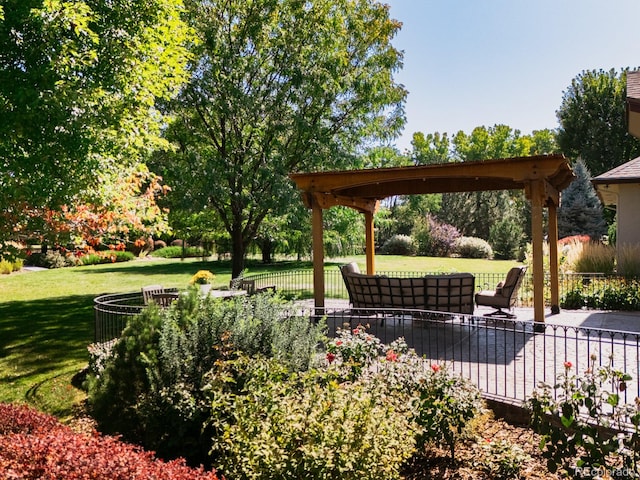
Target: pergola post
370 242
536 190
553 257
317 231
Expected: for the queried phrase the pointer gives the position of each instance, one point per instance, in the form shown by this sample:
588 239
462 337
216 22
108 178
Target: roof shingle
633 85
625 173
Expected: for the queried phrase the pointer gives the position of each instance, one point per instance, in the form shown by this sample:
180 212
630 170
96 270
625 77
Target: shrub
23 419
35 446
115 391
584 424
151 390
446 403
500 459
99 353
473 247
18 263
443 402
434 238
612 294
175 251
622 295
6 267
573 299
354 349
73 259
629 260
399 245
107 256
505 236
51 259
310 426
572 239
10 265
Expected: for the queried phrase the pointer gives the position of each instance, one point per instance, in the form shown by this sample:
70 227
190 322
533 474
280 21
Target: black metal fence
506 359
299 284
113 311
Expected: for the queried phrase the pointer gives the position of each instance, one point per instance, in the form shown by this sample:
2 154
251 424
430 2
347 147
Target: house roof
626 173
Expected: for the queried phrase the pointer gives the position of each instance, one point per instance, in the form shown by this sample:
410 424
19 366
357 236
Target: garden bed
491 433
437 464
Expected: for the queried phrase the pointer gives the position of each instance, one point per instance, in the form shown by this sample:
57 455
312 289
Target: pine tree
580 211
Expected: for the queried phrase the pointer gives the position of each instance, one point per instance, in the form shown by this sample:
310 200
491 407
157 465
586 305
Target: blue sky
469 63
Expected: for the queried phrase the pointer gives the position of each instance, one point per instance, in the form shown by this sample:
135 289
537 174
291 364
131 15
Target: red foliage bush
22 419
36 446
574 239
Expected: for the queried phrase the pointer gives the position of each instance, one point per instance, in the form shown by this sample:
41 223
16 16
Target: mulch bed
437 463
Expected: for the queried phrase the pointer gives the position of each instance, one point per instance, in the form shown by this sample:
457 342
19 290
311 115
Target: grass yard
46 317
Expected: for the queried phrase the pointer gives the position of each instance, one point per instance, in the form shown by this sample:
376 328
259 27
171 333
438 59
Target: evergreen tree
580 211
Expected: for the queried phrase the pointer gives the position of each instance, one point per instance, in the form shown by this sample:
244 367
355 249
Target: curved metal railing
113 310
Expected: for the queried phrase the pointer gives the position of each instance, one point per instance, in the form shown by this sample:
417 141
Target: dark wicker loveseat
442 293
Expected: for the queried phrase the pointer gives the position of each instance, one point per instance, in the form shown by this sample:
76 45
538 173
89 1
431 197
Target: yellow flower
202 277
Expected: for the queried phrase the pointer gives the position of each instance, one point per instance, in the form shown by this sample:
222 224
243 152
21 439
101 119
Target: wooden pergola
542 178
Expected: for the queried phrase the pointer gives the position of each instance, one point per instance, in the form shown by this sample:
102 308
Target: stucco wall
628 214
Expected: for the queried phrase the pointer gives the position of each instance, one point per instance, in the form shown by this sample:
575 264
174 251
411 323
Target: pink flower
338 343
568 365
392 356
435 367
330 357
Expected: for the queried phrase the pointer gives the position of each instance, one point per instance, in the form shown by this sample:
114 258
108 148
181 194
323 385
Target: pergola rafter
541 177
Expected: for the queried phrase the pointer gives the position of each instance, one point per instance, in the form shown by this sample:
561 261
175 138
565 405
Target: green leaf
567 421
613 399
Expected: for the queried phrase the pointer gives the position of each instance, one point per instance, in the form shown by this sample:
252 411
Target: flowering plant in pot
204 279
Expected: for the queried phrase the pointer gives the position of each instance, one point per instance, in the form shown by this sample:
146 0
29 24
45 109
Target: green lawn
46 317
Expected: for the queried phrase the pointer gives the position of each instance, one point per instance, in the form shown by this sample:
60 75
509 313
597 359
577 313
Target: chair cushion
490 299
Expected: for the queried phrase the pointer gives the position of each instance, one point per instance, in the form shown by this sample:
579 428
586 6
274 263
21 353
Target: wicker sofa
442 293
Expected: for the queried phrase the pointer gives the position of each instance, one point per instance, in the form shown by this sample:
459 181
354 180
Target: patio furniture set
165 297
453 293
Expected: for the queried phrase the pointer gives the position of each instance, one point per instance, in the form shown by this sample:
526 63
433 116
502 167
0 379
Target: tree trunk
266 248
238 252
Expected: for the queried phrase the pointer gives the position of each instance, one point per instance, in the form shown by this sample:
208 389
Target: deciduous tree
474 213
79 82
279 86
592 121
